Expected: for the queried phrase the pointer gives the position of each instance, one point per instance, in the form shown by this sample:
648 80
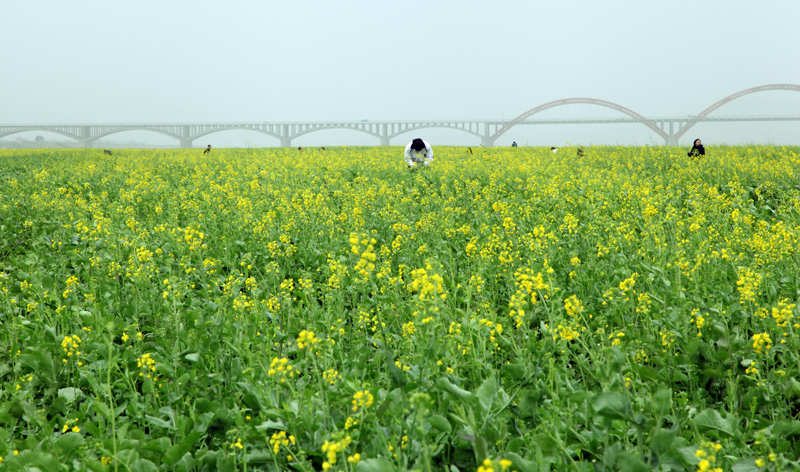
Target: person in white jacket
418 152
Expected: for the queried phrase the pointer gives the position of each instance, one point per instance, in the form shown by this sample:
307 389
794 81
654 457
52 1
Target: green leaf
394 399
143 465
185 463
486 393
447 386
70 394
710 420
662 440
380 464
523 465
662 400
69 441
746 465
395 373
440 422
193 357
613 405
159 422
629 462
269 424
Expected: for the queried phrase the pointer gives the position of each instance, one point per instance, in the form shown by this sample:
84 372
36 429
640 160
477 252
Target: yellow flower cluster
332 448
708 457
147 364
281 368
306 340
280 439
762 343
72 282
362 400
748 285
489 465
567 333
71 346
573 306
366 261
783 313
428 285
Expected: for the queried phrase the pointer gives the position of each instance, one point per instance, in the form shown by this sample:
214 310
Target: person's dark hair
418 145
694 143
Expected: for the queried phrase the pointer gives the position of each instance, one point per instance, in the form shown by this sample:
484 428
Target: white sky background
92 61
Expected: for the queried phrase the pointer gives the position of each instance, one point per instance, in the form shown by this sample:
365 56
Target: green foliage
509 309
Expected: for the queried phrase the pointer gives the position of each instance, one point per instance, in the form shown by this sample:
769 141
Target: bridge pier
486 141
286 141
86 137
186 141
384 140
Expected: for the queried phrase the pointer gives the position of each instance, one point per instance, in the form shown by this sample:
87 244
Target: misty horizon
268 62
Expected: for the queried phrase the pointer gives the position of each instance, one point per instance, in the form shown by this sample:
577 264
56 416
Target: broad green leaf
710 420
70 394
269 424
662 440
69 441
381 464
193 357
629 462
612 405
185 463
159 422
662 400
486 393
143 465
746 465
440 422
445 384
523 465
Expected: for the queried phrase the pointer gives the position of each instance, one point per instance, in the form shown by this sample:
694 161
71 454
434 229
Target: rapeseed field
502 310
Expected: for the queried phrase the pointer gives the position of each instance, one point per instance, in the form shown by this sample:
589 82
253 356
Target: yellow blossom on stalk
331 376
71 346
783 313
279 440
761 343
409 328
72 282
281 368
627 284
362 399
748 285
306 339
708 453
567 333
427 285
332 449
573 306
147 364
616 338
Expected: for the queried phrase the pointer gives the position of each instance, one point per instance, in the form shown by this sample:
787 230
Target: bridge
668 128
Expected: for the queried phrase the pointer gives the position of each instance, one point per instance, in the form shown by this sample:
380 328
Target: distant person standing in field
697 149
207 150
418 152
513 144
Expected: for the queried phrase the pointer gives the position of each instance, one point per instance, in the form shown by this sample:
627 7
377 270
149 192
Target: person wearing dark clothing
514 144
207 150
697 149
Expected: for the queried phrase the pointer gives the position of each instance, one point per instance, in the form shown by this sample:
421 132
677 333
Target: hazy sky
203 61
